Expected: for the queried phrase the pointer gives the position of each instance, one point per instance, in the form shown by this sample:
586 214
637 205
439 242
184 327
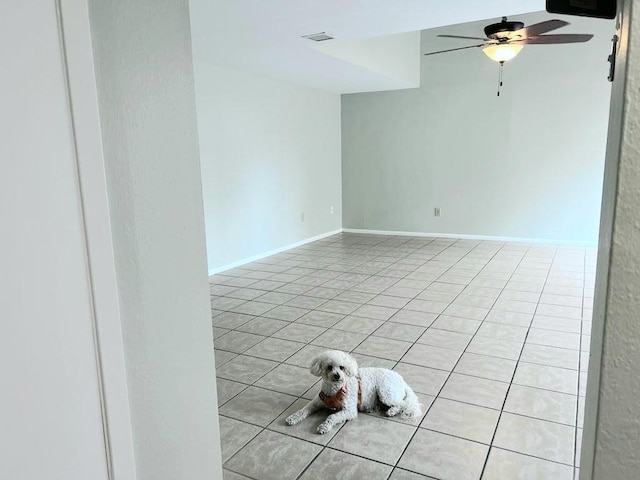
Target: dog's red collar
335 402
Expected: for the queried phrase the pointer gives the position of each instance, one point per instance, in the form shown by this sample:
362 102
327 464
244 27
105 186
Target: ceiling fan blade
553 39
542 27
459 48
466 38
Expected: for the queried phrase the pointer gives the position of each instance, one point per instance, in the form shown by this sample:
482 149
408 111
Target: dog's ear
350 366
317 366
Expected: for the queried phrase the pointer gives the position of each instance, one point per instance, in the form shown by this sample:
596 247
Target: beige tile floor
493 337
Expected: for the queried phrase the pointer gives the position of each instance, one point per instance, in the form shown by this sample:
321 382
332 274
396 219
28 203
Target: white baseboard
272 252
541 241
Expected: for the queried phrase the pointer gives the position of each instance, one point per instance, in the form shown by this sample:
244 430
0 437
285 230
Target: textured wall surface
617 455
270 151
146 94
527 164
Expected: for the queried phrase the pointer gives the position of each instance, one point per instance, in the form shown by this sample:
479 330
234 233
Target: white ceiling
264 37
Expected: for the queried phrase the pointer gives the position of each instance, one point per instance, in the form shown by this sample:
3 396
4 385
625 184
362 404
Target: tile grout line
435 397
490 445
511 383
299 398
515 369
361 264
341 426
417 428
280 362
365 337
577 411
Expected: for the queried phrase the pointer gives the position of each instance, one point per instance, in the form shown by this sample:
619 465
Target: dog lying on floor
347 390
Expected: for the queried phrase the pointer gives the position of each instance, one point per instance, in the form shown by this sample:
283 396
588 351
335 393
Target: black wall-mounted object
612 58
584 8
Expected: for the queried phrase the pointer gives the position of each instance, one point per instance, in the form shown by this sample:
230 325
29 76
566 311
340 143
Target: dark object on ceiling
584 8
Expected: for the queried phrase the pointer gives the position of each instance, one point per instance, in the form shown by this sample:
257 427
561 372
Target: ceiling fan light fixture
502 52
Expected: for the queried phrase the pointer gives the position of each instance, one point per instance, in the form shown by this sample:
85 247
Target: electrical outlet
436 212
302 217
332 211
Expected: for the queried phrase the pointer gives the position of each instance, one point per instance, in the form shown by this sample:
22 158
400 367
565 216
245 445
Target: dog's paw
393 411
294 419
323 428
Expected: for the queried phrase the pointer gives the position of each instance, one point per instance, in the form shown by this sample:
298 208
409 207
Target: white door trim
110 358
605 244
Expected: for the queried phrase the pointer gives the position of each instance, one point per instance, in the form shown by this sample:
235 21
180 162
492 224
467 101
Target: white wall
50 416
527 164
270 151
144 70
394 56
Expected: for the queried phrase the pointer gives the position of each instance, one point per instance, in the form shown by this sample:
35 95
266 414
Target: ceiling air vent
318 37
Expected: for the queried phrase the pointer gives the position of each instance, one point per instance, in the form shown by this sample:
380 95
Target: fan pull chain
500 77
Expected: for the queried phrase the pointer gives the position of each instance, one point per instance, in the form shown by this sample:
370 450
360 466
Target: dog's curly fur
377 385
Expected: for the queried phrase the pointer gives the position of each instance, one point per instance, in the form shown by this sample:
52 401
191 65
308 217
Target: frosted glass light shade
502 53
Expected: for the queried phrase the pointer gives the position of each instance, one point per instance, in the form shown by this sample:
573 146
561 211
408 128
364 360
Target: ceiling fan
505 39
516 35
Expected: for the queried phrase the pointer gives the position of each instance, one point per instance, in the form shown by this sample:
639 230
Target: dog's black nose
336 376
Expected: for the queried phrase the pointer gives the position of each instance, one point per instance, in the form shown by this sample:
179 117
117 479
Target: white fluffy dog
346 390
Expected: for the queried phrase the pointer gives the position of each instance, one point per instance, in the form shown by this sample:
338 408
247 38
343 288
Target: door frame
76 45
76 42
605 242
